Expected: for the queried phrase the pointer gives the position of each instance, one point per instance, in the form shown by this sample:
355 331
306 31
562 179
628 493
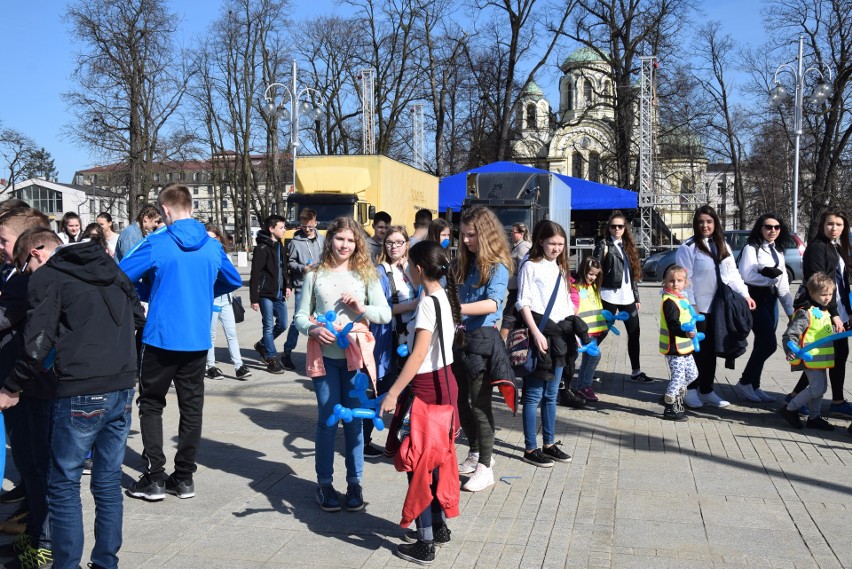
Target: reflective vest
818 327
589 309
683 345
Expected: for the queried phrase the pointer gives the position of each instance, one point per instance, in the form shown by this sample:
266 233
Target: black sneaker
274 366
640 377
287 362
243 373
258 347
354 498
87 466
440 534
568 398
849 429
792 417
536 458
214 373
419 552
553 452
819 424
16 494
372 452
328 498
148 488
670 414
183 489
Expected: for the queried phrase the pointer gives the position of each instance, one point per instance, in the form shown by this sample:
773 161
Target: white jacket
701 274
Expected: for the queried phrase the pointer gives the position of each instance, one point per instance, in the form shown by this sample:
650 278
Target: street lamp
297 107
777 96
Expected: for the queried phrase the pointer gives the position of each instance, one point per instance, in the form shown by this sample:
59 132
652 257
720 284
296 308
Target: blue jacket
186 269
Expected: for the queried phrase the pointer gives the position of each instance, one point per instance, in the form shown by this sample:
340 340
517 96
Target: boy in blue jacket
185 270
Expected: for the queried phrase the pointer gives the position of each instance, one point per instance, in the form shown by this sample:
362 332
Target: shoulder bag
522 357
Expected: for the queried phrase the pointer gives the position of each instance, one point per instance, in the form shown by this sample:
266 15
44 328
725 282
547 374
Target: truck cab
329 206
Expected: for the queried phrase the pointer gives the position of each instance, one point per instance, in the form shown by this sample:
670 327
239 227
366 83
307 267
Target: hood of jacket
264 237
86 261
188 234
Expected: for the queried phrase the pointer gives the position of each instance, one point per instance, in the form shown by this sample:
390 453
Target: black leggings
632 327
705 360
475 413
836 375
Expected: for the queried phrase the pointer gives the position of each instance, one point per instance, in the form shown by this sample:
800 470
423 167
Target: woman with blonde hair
482 274
344 285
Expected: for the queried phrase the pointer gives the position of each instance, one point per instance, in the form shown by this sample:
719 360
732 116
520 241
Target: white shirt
536 281
403 287
701 274
425 319
753 260
623 294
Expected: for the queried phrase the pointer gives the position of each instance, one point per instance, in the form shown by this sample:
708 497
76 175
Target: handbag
523 358
239 311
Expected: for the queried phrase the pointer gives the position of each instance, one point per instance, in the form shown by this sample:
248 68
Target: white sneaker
746 391
763 395
692 400
469 464
482 478
713 400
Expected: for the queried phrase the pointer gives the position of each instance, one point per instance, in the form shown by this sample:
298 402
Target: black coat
612 267
265 267
822 257
83 306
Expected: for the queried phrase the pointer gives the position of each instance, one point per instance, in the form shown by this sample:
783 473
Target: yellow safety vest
589 309
683 345
818 327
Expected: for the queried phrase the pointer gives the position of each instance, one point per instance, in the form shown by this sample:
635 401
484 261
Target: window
196 177
195 204
594 167
195 190
531 122
587 93
224 221
182 176
577 165
157 178
169 177
720 188
43 199
95 179
210 204
224 204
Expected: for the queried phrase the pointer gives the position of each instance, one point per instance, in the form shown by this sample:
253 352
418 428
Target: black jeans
765 318
632 327
159 368
475 413
836 375
705 360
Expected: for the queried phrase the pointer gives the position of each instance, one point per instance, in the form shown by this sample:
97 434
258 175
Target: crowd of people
431 332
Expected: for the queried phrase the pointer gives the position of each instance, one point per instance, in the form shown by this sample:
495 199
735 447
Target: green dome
532 89
583 55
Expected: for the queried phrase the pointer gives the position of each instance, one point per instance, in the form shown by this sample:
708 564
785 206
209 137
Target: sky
38 62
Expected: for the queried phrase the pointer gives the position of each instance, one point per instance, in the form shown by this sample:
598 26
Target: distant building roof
532 89
584 55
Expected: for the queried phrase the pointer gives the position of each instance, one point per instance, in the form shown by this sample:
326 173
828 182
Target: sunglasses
616 226
772 227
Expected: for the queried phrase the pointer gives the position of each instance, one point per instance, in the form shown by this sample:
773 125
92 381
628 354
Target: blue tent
584 194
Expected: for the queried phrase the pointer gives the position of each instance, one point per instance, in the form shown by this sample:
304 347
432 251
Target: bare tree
130 83
16 149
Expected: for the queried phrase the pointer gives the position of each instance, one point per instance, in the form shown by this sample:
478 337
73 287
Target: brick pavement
729 488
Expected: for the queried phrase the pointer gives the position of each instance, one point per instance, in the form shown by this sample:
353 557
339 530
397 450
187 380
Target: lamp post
293 94
779 94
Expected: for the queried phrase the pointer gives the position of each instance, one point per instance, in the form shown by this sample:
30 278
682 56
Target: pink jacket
359 354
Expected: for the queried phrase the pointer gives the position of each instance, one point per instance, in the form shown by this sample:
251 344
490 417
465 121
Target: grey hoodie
300 250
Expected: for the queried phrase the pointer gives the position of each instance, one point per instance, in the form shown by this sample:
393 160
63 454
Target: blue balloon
591 348
369 407
402 350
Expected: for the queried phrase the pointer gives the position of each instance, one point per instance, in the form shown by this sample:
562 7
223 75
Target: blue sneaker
844 409
328 498
354 499
803 410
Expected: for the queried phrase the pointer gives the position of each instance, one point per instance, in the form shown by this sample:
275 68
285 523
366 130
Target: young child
585 294
83 317
810 323
428 372
676 343
344 283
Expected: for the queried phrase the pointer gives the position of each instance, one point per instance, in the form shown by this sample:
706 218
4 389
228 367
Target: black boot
420 552
568 398
671 415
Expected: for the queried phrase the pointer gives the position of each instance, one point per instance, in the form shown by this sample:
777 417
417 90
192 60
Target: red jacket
430 445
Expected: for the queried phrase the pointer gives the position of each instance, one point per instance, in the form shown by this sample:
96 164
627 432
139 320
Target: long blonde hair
493 245
360 261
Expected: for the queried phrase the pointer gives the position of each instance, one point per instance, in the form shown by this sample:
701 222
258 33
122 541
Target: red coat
430 445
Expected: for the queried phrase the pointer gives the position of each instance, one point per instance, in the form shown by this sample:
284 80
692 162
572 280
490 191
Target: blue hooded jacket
185 269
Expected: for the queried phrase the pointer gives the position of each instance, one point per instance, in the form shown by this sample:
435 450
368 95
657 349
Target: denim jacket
494 289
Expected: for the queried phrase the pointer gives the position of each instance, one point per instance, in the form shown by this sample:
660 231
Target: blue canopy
584 194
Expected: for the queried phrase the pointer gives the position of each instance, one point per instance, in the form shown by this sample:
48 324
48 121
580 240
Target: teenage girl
71 228
482 273
427 370
542 277
585 293
345 282
440 231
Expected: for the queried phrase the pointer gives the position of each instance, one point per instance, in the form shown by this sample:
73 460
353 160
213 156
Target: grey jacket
300 250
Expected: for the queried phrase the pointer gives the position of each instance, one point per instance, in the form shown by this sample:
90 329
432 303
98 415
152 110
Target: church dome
532 90
583 55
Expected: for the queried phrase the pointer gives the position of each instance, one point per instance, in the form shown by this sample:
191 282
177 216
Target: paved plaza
730 488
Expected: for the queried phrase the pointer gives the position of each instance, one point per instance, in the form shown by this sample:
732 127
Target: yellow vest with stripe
683 345
589 309
818 328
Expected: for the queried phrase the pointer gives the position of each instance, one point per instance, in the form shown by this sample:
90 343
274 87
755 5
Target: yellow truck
358 186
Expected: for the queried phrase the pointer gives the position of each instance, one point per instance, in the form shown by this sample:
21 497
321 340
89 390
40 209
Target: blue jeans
540 393
225 315
274 315
765 318
331 389
586 373
97 423
293 332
